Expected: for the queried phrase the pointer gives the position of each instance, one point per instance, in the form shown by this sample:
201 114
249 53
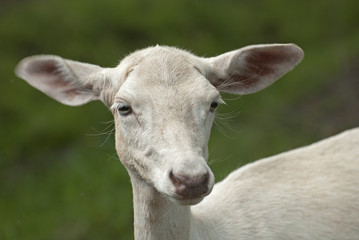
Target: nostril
190 186
176 180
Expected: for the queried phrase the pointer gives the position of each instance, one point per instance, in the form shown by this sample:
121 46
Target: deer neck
155 216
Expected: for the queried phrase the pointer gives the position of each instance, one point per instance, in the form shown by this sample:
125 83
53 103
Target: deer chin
187 201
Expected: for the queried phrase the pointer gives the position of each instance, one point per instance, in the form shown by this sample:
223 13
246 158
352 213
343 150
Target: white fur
308 193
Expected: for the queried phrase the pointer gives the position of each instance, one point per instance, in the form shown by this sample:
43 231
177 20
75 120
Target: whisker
100 133
113 157
232 97
107 122
222 123
218 160
108 137
227 115
108 131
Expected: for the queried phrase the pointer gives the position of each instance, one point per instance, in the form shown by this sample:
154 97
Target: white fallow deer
164 100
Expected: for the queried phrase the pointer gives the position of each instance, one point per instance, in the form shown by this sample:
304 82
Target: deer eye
124 109
214 106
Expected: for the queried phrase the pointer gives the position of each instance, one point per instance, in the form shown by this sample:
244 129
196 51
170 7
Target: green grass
60 179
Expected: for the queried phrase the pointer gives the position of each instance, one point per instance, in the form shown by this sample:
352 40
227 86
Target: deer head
164 101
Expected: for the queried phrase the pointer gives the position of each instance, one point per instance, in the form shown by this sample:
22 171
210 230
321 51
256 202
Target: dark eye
124 109
214 106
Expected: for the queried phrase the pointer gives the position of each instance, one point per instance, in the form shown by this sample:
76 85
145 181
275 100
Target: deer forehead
165 76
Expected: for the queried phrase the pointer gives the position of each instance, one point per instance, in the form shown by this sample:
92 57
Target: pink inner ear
264 61
49 73
256 68
64 80
41 68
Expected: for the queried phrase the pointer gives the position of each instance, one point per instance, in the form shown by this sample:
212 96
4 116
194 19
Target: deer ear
253 68
69 82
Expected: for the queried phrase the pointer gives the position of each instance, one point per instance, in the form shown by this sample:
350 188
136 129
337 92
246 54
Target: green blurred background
59 175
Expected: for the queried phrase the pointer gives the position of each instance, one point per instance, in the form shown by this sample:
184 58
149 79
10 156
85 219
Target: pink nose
190 187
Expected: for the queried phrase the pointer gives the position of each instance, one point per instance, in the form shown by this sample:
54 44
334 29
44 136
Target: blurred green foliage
59 175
